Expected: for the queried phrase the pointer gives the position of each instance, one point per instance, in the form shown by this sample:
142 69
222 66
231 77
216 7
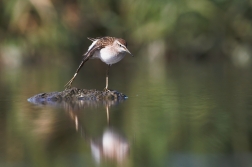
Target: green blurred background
44 31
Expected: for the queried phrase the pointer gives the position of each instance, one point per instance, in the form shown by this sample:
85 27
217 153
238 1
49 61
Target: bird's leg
69 83
107 74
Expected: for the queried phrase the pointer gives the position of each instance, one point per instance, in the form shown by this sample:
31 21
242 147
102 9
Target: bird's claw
106 90
68 87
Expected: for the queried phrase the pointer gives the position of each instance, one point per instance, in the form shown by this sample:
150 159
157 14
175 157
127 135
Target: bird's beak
128 52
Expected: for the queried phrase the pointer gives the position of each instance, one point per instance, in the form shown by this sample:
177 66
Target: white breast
110 56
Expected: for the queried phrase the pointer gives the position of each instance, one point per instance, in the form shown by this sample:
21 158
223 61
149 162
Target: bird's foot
68 87
106 89
69 83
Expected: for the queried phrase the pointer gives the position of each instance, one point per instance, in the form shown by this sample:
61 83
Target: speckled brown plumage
108 51
103 42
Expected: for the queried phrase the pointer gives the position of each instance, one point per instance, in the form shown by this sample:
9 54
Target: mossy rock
76 94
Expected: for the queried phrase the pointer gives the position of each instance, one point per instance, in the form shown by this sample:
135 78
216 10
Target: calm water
176 115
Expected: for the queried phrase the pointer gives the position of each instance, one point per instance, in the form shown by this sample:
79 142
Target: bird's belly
110 58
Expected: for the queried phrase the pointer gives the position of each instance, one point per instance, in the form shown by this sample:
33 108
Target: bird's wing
92 48
93 39
98 44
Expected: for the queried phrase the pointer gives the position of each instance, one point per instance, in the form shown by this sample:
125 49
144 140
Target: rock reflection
111 145
76 104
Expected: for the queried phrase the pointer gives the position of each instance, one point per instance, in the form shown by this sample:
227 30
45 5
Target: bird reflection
111 145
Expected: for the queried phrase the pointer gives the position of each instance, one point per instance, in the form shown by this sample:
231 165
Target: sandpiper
109 49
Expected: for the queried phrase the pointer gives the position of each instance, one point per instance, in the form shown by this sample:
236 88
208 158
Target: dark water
177 114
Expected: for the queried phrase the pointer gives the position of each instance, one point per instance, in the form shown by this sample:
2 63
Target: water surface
177 114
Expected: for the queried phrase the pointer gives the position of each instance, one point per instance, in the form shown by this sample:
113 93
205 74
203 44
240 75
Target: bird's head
122 46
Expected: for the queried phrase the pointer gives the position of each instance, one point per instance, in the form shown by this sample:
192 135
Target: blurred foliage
194 29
